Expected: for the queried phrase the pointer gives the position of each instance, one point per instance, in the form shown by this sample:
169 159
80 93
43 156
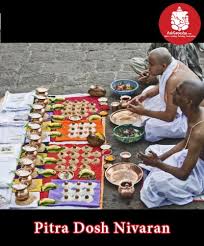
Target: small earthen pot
36 118
21 192
115 106
27 164
30 152
24 176
124 101
42 100
35 128
38 108
42 91
126 189
35 140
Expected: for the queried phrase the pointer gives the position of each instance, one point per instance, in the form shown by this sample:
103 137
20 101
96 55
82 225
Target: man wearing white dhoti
164 119
176 173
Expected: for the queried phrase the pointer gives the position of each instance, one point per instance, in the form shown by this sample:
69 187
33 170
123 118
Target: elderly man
164 119
188 54
176 173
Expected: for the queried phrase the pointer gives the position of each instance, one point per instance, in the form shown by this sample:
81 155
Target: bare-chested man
177 172
164 119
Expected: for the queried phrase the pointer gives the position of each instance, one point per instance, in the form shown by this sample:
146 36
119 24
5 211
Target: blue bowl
131 83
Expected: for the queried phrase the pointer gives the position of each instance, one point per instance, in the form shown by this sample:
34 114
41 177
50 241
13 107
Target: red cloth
97 168
87 98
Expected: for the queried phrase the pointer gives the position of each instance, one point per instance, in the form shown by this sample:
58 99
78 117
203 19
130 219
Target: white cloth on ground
12 132
5 198
161 188
8 116
156 129
17 101
9 153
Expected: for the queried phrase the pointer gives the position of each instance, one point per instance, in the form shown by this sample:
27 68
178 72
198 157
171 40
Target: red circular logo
179 23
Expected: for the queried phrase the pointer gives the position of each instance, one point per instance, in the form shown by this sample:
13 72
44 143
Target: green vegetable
87 174
54 148
58 117
49 186
46 201
55 134
46 172
55 125
57 99
58 106
49 160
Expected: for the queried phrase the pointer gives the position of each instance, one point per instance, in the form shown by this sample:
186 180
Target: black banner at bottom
72 225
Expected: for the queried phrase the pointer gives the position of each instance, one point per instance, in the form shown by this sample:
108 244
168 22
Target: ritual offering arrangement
60 162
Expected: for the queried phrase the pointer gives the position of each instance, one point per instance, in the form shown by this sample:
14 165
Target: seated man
164 119
176 173
188 54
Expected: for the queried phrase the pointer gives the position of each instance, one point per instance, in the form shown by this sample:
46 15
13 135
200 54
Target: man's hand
146 78
138 109
138 99
151 159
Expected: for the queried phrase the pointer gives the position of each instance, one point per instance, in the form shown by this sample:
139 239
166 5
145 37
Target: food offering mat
76 193
78 130
83 106
74 158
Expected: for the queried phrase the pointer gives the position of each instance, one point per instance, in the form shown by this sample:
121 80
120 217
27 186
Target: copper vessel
30 152
38 108
24 176
27 164
42 91
35 129
42 100
35 140
126 189
124 101
36 118
21 192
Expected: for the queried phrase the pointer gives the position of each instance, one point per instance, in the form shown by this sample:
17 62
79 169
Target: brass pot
97 91
27 164
21 192
126 189
24 176
95 141
30 152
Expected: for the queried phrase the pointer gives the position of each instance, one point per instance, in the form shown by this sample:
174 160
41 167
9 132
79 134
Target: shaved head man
164 118
176 173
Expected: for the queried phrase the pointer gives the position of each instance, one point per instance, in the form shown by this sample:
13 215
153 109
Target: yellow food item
110 158
103 113
99 135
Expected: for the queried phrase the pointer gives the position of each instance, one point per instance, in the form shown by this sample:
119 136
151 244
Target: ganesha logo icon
179 20
179 23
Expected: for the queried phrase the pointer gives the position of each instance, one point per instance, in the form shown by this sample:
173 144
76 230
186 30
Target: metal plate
124 116
124 170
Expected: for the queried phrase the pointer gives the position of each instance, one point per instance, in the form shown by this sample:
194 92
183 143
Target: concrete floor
72 67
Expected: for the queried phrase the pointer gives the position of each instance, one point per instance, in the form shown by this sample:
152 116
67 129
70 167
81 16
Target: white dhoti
156 129
161 188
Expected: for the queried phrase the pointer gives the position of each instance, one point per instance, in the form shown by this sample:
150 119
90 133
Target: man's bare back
181 73
197 132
